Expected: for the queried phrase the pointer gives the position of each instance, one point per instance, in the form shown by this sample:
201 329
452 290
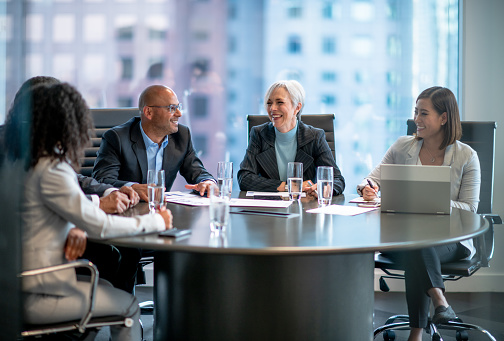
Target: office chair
322 121
73 329
103 120
481 137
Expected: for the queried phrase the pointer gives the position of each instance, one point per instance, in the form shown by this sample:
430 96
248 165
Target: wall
481 93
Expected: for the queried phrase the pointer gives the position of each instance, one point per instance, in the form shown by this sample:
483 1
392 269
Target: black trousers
423 272
116 264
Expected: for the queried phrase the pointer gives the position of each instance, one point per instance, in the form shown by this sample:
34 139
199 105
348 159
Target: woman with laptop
436 143
285 139
53 204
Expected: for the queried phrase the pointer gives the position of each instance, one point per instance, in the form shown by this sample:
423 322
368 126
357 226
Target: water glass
156 188
325 180
219 210
225 177
295 180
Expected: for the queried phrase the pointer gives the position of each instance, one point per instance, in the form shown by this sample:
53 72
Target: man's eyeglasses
171 107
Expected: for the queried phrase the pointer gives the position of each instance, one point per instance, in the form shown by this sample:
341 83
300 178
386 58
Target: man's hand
132 195
202 187
141 189
115 202
75 244
167 216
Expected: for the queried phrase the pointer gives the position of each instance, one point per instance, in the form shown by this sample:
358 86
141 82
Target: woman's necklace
433 159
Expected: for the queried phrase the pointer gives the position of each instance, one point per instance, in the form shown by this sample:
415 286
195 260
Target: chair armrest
493 218
75 264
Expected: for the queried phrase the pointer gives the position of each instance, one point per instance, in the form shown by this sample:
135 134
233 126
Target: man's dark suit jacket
91 186
259 169
122 157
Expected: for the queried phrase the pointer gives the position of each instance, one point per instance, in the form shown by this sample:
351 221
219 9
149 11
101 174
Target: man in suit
155 140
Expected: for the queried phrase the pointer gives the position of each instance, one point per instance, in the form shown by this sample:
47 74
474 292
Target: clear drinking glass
325 180
225 176
155 188
219 209
295 180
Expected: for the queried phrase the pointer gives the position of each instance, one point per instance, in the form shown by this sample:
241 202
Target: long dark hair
60 124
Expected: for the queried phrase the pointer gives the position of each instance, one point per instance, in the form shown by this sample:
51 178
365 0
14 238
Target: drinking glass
324 185
219 209
295 180
155 188
225 177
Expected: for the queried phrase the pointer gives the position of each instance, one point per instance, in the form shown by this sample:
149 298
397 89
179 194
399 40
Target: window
328 76
328 45
199 107
126 68
294 45
63 28
200 144
155 69
328 99
356 58
294 12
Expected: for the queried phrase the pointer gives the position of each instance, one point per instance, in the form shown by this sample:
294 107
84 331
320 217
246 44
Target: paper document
360 200
196 200
341 210
271 194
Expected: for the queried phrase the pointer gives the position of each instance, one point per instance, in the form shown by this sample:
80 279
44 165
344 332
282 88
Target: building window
201 36
155 70
231 44
232 12
199 107
362 77
328 45
362 46
157 34
327 10
200 144
329 76
125 33
294 12
125 102
393 46
95 28
63 28
294 45
126 68
328 99
393 78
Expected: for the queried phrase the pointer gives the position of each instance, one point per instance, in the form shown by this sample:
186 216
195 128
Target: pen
311 184
372 187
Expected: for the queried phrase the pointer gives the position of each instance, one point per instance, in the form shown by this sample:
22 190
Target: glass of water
325 180
156 189
225 177
295 180
219 209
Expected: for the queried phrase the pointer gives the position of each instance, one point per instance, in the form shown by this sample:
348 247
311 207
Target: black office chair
73 329
322 121
103 120
481 137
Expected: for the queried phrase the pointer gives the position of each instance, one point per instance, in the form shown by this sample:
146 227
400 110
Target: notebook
415 189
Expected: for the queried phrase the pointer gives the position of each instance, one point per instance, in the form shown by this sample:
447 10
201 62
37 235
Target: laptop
415 189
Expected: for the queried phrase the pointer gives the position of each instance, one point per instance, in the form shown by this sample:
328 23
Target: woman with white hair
285 139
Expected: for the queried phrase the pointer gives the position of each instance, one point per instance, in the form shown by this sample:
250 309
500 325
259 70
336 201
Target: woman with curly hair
54 203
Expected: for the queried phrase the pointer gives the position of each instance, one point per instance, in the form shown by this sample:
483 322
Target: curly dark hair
60 124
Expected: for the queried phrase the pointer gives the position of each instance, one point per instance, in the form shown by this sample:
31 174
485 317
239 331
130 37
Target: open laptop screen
415 189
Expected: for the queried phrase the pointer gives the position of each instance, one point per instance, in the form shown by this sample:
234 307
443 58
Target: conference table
306 277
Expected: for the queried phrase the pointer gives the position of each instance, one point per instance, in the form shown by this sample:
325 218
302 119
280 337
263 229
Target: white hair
295 90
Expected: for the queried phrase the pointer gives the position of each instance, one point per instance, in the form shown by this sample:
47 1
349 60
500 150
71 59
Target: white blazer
465 172
53 204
